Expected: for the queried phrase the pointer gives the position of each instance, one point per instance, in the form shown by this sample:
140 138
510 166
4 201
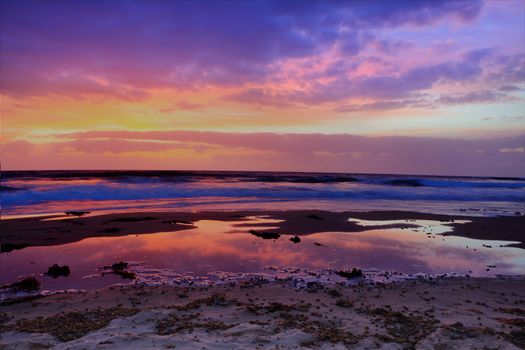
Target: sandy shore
453 313
53 230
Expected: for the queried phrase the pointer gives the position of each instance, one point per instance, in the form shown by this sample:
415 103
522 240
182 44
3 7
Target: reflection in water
225 246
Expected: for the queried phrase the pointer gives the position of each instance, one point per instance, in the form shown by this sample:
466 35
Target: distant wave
168 176
140 192
36 188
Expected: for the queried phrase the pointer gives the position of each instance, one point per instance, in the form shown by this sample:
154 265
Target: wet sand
453 313
54 230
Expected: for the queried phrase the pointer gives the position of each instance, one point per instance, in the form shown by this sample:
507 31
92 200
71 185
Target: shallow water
215 249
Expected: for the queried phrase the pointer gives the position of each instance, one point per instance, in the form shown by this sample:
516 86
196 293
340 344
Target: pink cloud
268 151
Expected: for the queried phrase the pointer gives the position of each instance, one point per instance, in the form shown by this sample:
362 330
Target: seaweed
72 325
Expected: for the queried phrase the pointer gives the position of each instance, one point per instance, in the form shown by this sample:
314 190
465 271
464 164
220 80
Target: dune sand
451 313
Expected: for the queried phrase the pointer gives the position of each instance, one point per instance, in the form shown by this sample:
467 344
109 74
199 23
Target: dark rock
29 284
76 213
319 244
119 268
295 239
265 235
57 271
7 247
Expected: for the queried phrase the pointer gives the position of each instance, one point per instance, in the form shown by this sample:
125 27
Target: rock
7 247
295 239
265 235
57 271
76 213
119 268
29 284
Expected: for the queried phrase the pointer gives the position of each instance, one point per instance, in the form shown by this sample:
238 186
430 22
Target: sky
398 86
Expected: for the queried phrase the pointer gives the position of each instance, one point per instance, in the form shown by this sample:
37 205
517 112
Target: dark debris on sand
72 325
405 329
212 300
176 323
355 273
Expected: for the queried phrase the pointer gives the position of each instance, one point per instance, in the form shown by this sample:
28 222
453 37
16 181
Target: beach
454 313
247 260
284 307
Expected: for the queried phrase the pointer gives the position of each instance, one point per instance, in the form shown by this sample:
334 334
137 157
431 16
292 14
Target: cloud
270 151
472 97
121 49
403 85
182 106
517 118
385 105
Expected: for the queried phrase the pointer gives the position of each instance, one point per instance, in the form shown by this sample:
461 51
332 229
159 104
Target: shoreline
60 229
253 313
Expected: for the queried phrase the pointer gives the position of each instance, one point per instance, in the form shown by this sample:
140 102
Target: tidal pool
215 248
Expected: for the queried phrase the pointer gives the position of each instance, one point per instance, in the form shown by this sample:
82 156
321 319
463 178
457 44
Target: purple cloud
402 86
472 97
54 46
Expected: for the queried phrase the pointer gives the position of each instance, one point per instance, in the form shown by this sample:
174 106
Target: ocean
48 192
